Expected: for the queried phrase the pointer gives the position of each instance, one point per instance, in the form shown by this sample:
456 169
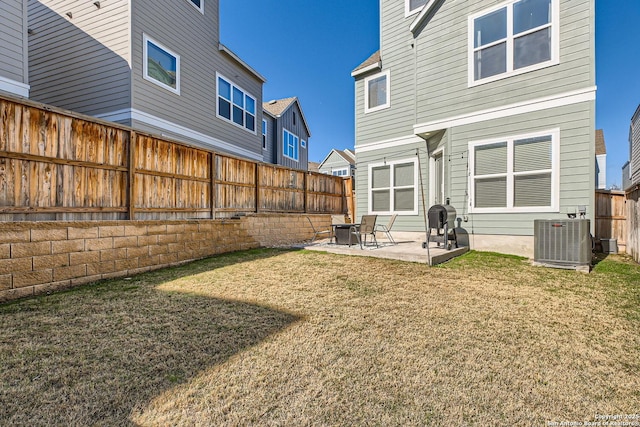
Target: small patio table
341 233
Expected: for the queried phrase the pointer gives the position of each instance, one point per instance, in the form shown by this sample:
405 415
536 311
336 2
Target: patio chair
387 228
366 227
317 232
337 219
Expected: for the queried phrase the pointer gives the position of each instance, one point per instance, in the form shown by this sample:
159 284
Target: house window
235 105
198 4
413 6
515 174
290 145
303 143
340 172
376 92
393 187
517 37
264 134
160 65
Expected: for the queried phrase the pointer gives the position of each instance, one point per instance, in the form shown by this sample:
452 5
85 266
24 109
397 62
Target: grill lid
438 215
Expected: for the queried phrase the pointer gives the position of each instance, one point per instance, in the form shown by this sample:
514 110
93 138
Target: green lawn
278 337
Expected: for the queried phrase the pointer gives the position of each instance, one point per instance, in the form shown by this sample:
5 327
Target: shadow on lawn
95 355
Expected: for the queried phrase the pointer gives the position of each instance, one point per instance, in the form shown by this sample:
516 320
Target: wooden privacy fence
56 165
611 220
633 222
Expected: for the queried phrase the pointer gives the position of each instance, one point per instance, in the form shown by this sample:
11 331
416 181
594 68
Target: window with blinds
393 187
515 174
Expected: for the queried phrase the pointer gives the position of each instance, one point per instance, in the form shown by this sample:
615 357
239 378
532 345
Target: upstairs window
290 145
235 105
376 92
516 174
198 4
340 172
413 6
264 134
160 65
517 37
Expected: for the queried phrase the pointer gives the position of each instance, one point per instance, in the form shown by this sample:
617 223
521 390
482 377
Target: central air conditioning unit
562 243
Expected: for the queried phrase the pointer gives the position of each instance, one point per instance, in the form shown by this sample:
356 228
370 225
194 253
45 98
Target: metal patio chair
366 227
317 232
386 229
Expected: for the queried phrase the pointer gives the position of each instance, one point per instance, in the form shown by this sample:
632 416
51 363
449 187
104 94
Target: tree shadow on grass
96 354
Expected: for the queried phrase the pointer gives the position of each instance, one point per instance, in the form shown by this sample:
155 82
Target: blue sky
308 48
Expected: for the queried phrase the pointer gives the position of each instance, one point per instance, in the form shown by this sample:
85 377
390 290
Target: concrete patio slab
405 250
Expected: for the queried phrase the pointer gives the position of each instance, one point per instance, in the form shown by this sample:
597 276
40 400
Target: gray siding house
339 163
285 134
157 66
14 71
633 167
489 105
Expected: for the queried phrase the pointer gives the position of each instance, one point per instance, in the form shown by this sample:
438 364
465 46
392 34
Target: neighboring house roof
373 62
348 155
314 167
223 48
601 148
276 107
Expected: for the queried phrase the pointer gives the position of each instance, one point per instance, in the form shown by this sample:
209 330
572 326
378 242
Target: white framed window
377 92
290 145
264 134
413 6
303 143
513 38
393 187
235 105
515 174
340 172
198 4
160 65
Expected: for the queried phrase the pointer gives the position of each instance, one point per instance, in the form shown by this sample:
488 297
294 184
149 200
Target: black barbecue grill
442 219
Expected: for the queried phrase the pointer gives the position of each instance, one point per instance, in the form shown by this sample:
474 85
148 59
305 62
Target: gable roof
371 63
347 155
277 107
223 48
601 148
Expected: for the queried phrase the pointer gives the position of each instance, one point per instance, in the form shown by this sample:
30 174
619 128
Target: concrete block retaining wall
42 257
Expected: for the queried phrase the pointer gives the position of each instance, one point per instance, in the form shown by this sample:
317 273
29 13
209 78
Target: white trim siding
387 91
510 174
392 187
145 64
170 127
568 98
14 87
508 41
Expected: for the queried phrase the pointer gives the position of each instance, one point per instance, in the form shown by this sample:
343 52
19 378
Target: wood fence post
257 179
213 193
306 191
132 173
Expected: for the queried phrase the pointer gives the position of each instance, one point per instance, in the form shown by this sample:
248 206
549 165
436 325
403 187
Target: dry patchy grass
275 337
